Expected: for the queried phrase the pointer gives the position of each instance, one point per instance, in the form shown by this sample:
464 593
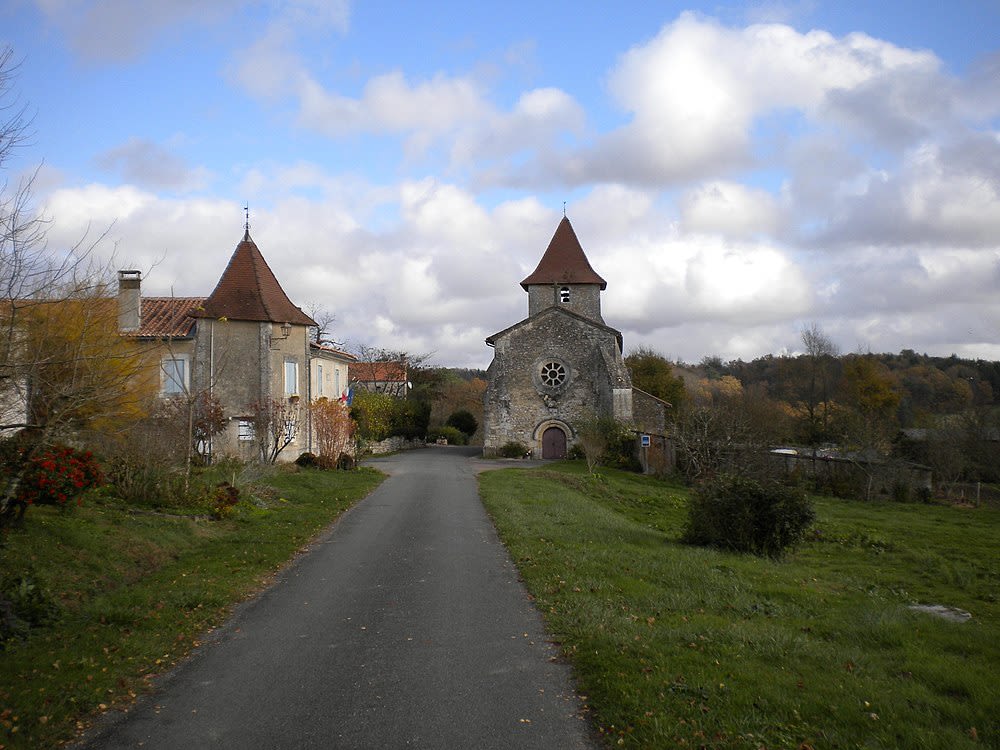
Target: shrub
463 421
24 604
607 441
307 460
453 435
514 449
146 466
53 475
224 500
747 515
379 415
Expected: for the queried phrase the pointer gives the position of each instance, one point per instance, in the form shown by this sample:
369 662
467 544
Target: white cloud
391 104
539 118
939 196
730 209
665 281
696 90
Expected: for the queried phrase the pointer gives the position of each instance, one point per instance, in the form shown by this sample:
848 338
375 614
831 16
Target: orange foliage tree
333 429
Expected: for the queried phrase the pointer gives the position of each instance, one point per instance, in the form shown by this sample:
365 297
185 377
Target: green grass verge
136 592
677 646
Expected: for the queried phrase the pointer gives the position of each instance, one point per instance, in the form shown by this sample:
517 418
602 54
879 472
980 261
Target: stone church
563 363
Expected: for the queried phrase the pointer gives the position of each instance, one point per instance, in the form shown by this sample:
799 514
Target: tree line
938 411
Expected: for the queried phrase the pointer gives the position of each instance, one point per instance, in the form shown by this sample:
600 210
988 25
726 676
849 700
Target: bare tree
275 424
321 332
821 352
727 427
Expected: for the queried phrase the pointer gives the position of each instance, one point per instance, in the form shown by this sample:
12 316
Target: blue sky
736 172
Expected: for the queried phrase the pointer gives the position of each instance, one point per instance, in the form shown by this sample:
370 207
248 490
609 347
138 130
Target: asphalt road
404 626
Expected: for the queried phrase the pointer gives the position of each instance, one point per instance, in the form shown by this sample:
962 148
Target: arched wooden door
553 443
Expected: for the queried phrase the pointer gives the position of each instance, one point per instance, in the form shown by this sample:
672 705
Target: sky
737 172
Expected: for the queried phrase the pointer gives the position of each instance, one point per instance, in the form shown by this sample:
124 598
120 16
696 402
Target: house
246 347
562 364
330 372
390 377
246 344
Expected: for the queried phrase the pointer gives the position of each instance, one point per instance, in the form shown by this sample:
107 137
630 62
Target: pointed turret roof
248 290
564 261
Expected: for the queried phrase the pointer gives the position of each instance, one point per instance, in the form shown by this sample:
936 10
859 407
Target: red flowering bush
57 475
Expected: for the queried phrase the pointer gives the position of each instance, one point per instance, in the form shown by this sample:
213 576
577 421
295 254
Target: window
553 374
246 432
319 381
336 381
564 295
173 375
291 378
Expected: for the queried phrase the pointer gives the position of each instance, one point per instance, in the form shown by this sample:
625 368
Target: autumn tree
63 367
373 413
653 373
451 393
872 395
333 430
869 423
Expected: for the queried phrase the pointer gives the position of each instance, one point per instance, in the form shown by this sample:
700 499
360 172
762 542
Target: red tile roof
168 317
564 261
377 372
248 290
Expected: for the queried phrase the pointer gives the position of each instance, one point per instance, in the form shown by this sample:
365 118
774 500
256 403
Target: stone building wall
519 404
244 362
648 413
583 299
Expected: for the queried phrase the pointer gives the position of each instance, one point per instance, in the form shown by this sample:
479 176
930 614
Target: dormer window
564 295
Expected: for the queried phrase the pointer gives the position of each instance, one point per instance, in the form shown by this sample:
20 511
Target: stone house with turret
562 364
245 344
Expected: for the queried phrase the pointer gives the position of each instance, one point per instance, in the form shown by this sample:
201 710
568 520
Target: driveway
404 626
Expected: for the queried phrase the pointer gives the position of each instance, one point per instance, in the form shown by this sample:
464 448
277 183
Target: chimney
129 300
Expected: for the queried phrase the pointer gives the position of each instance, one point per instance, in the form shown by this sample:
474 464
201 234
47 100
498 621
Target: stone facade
560 365
243 362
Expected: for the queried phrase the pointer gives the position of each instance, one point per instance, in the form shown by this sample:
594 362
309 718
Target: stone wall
394 444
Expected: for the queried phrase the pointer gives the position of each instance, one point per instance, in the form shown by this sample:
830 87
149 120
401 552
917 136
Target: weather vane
247 209
564 208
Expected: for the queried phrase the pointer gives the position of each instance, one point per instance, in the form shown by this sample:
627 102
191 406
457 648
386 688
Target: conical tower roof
564 261
248 290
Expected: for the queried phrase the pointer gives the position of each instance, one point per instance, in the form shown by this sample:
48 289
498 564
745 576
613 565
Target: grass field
133 593
676 646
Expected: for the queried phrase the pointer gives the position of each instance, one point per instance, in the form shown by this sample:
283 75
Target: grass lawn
676 646
135 592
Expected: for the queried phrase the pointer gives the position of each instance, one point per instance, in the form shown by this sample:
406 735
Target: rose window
553 374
